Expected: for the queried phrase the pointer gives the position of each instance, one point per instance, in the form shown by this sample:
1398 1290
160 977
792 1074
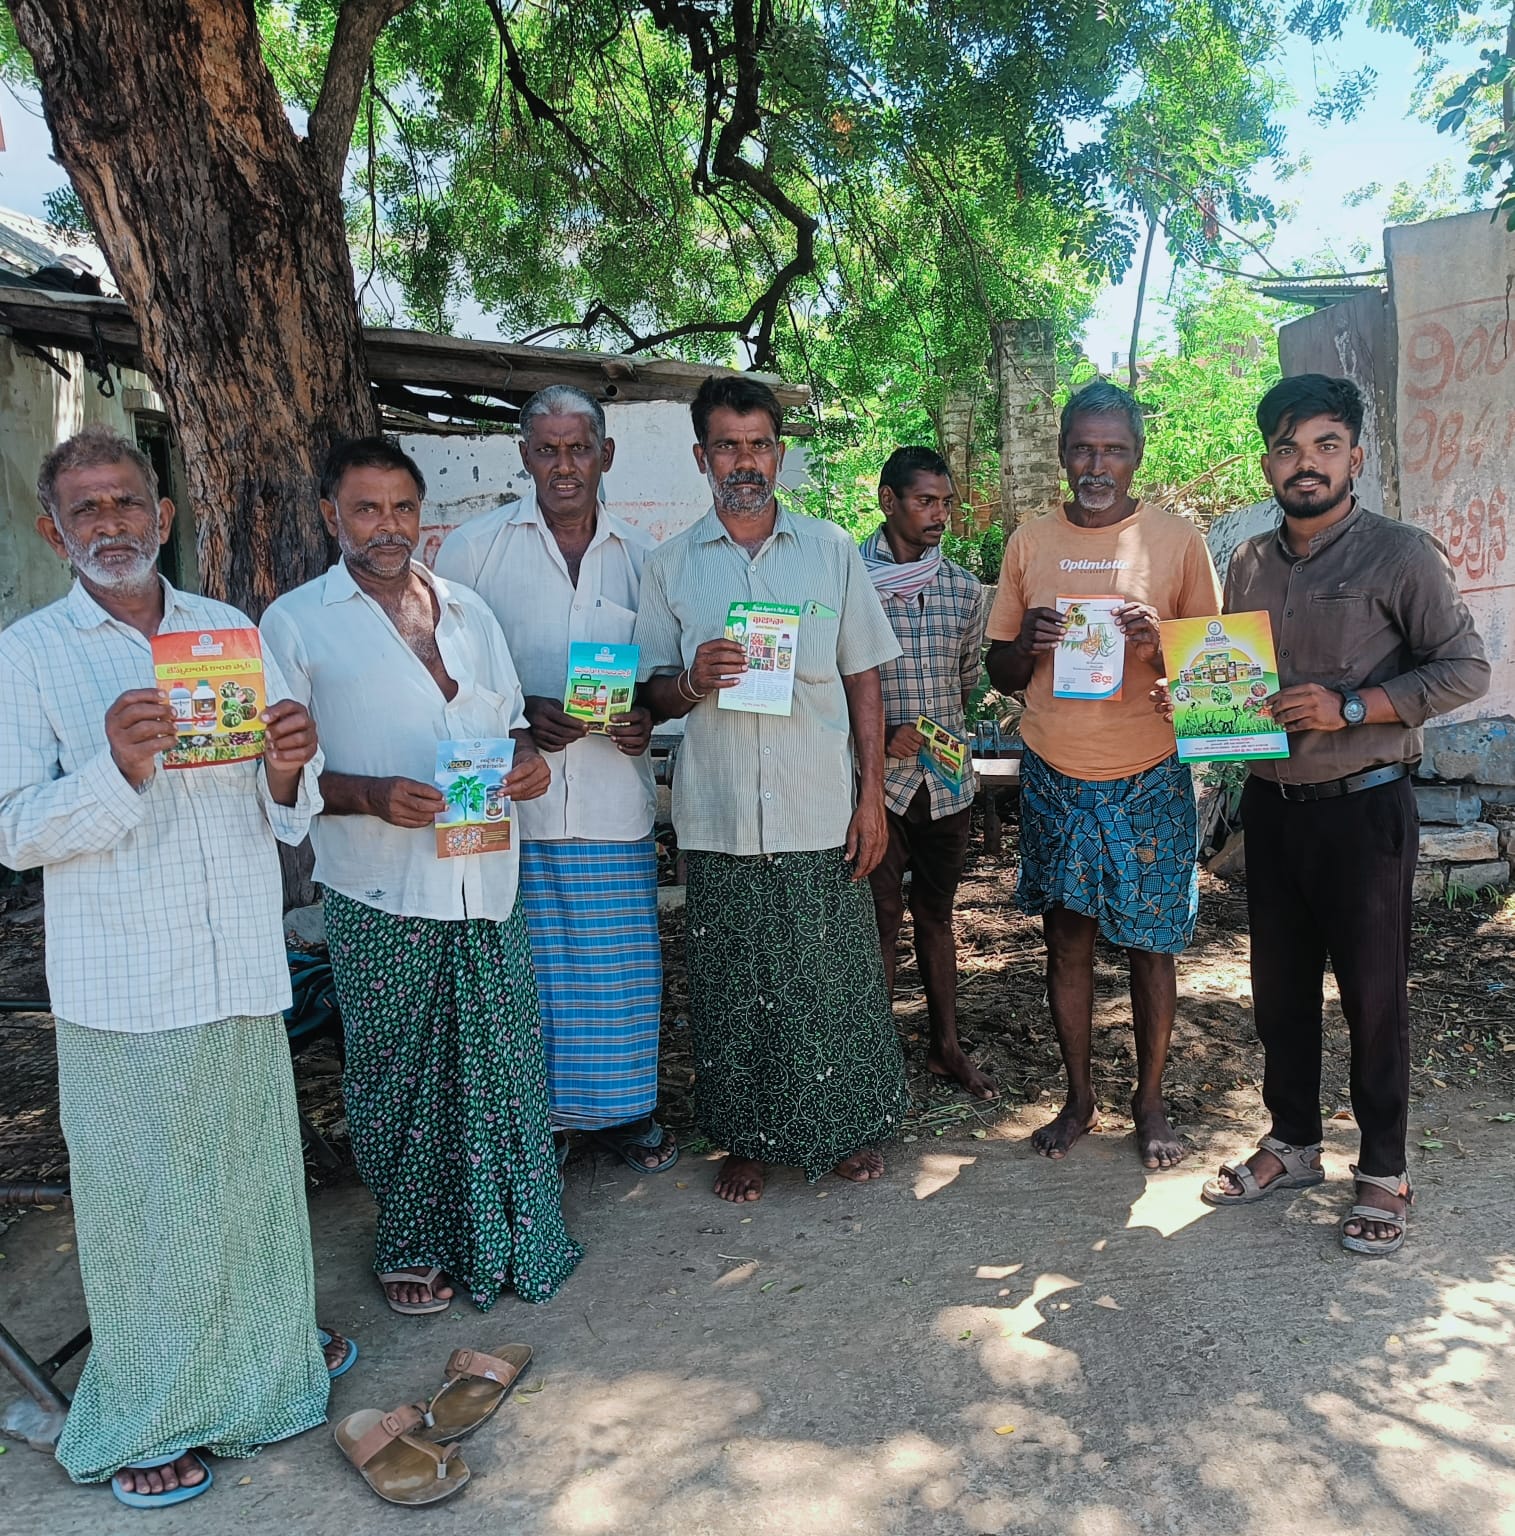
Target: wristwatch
1353 710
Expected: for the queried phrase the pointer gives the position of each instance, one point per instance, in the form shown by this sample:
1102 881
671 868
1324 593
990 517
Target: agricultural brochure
471 775
769 633
214 682
601 682
1090 662
1221 674
944 753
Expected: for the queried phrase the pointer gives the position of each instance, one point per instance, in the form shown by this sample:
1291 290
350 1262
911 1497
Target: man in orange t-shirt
1108 827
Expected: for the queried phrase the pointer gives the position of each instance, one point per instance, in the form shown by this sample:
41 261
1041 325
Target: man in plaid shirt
937 611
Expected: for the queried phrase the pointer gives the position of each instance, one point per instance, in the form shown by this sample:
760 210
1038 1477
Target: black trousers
1331 879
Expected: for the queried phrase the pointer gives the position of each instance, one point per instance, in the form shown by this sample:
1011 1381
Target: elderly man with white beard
167 973
781 815
1108 824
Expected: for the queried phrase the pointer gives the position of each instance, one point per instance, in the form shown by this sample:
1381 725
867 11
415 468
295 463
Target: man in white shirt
167 974
446 1086
556 568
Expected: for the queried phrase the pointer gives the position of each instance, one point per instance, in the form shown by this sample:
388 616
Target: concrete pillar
1026 370
954 431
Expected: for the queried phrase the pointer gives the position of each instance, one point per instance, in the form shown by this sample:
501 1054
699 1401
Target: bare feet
1155 1136
1075 1119
741 1179
417 1295
183 1473
1376 1231
861 1166
950 1061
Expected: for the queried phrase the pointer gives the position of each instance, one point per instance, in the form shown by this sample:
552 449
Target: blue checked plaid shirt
941 635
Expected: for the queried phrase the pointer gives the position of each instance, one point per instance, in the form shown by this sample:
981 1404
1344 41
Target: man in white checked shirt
166 967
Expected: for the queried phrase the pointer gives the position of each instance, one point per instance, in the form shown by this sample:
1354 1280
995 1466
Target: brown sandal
476 1386
400 1467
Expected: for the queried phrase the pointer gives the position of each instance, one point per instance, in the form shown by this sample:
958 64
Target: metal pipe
36 1386
33 1194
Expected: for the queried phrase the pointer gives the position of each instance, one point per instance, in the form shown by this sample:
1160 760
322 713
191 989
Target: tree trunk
226 235
1141 299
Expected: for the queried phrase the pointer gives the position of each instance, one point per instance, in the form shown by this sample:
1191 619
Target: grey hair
89 448
1102 398
563 400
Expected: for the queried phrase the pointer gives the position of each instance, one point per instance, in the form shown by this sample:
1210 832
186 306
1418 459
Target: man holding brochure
1108 825
1372 639
937 612
411 685
166 966
563 576
779 804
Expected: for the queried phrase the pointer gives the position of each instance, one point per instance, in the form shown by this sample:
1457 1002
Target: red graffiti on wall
1473 533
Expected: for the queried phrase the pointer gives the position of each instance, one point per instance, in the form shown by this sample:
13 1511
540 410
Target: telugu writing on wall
1457 459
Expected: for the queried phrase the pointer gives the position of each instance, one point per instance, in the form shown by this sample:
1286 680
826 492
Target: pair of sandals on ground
183 1476
1300 1168
412 1454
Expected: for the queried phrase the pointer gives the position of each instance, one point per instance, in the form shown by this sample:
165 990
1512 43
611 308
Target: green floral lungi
446 1091
797 1061
194 1244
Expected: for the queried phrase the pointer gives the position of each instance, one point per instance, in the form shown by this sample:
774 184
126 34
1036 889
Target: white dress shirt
510 558
379 713
163 905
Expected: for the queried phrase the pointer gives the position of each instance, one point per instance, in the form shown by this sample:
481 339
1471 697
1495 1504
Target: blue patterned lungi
592 909
1121 851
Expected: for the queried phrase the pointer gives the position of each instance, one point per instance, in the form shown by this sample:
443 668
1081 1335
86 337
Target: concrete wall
1354 340
1451 281
654 483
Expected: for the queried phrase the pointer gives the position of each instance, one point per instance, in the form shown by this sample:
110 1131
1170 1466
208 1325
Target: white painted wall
654 483
38 409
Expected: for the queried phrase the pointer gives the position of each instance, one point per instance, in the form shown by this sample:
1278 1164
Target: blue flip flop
625 1140
348 1360
180 1495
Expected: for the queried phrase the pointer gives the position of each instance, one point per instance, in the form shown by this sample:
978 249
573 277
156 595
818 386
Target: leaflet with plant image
769 633
471 776
214 682
1090 660
602 680
1221 673
945 753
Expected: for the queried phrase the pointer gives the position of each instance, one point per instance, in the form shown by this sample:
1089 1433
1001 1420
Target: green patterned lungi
194 1245
797 1061
446 1091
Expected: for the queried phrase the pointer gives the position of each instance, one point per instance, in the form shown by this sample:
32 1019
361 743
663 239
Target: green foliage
1201 395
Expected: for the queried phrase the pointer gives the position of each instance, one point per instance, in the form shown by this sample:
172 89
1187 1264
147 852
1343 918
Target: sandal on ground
428 1278
180 1495
476 1386
640 1136
1375 1248
399 1466
1301 1171
346 1363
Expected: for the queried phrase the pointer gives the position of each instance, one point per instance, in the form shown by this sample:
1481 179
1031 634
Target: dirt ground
981 1344
1463 996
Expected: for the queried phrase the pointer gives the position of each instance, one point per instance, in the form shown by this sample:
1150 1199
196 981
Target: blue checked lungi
1122 851
592 910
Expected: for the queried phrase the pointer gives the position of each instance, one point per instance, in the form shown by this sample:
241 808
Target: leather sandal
428 1278
476 1386
395 1462
1377 1248
1300 1172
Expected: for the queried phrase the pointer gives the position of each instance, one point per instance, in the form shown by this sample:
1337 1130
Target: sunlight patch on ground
937 1171
1168 1204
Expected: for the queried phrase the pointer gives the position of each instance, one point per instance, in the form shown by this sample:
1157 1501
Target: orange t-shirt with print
1150 557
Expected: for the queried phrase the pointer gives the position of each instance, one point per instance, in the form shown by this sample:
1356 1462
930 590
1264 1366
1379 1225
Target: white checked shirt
379 713
163 906
510 558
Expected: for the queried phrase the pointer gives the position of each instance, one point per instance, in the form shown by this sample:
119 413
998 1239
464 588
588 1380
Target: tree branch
329 132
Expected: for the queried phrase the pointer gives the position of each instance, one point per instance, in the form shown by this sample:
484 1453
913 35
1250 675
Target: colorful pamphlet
471 776
944 753
769 633
1221 673
214 682
602 680
1090 662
